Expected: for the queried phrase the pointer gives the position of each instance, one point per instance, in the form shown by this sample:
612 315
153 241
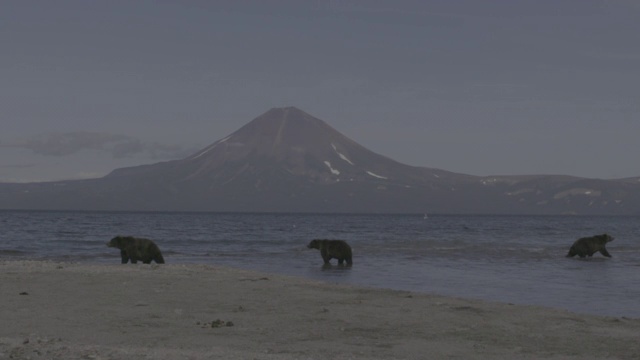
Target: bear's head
315 244
117 242
607 238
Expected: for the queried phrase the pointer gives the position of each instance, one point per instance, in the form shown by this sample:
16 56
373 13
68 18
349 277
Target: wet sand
51 310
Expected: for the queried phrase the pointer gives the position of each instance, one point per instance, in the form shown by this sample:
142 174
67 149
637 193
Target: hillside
286 160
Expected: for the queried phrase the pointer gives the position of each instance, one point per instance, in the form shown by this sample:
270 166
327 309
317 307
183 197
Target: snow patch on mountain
211 147
376 175
333 171
342 156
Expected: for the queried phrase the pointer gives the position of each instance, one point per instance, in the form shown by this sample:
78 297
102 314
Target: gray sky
492 87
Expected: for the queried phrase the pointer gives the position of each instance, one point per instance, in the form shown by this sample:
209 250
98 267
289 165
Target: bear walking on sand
587 246
134 249
333 249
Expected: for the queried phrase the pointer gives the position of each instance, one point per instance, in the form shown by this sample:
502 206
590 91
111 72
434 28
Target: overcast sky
492 87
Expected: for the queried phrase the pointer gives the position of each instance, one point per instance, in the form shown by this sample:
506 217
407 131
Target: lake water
512 259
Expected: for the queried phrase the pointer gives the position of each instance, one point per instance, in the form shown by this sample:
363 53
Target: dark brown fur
134 249
587 246
333 249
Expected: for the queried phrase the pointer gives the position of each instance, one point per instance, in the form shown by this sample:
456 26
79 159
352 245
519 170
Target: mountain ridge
286 160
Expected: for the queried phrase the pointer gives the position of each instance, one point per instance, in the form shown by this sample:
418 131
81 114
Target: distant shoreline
285 213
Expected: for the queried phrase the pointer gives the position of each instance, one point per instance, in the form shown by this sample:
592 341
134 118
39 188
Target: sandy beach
52 310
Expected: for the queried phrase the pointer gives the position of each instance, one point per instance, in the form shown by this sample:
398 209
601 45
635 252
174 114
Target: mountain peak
287 109
285 126
284 114
297 144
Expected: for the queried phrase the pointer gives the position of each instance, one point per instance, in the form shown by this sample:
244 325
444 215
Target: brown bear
332 249
587 246
134 249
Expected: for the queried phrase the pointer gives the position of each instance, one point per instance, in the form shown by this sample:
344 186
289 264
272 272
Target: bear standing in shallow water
587 246
134 249
332 249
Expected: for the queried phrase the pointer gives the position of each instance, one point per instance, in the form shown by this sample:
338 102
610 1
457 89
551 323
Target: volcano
286 160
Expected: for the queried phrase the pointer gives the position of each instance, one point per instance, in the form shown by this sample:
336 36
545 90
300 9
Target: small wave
447 248
11 252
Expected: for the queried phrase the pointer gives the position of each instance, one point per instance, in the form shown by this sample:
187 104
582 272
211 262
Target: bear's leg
349 261
134 260
340 261
604 252
326 257
572 252
124 256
